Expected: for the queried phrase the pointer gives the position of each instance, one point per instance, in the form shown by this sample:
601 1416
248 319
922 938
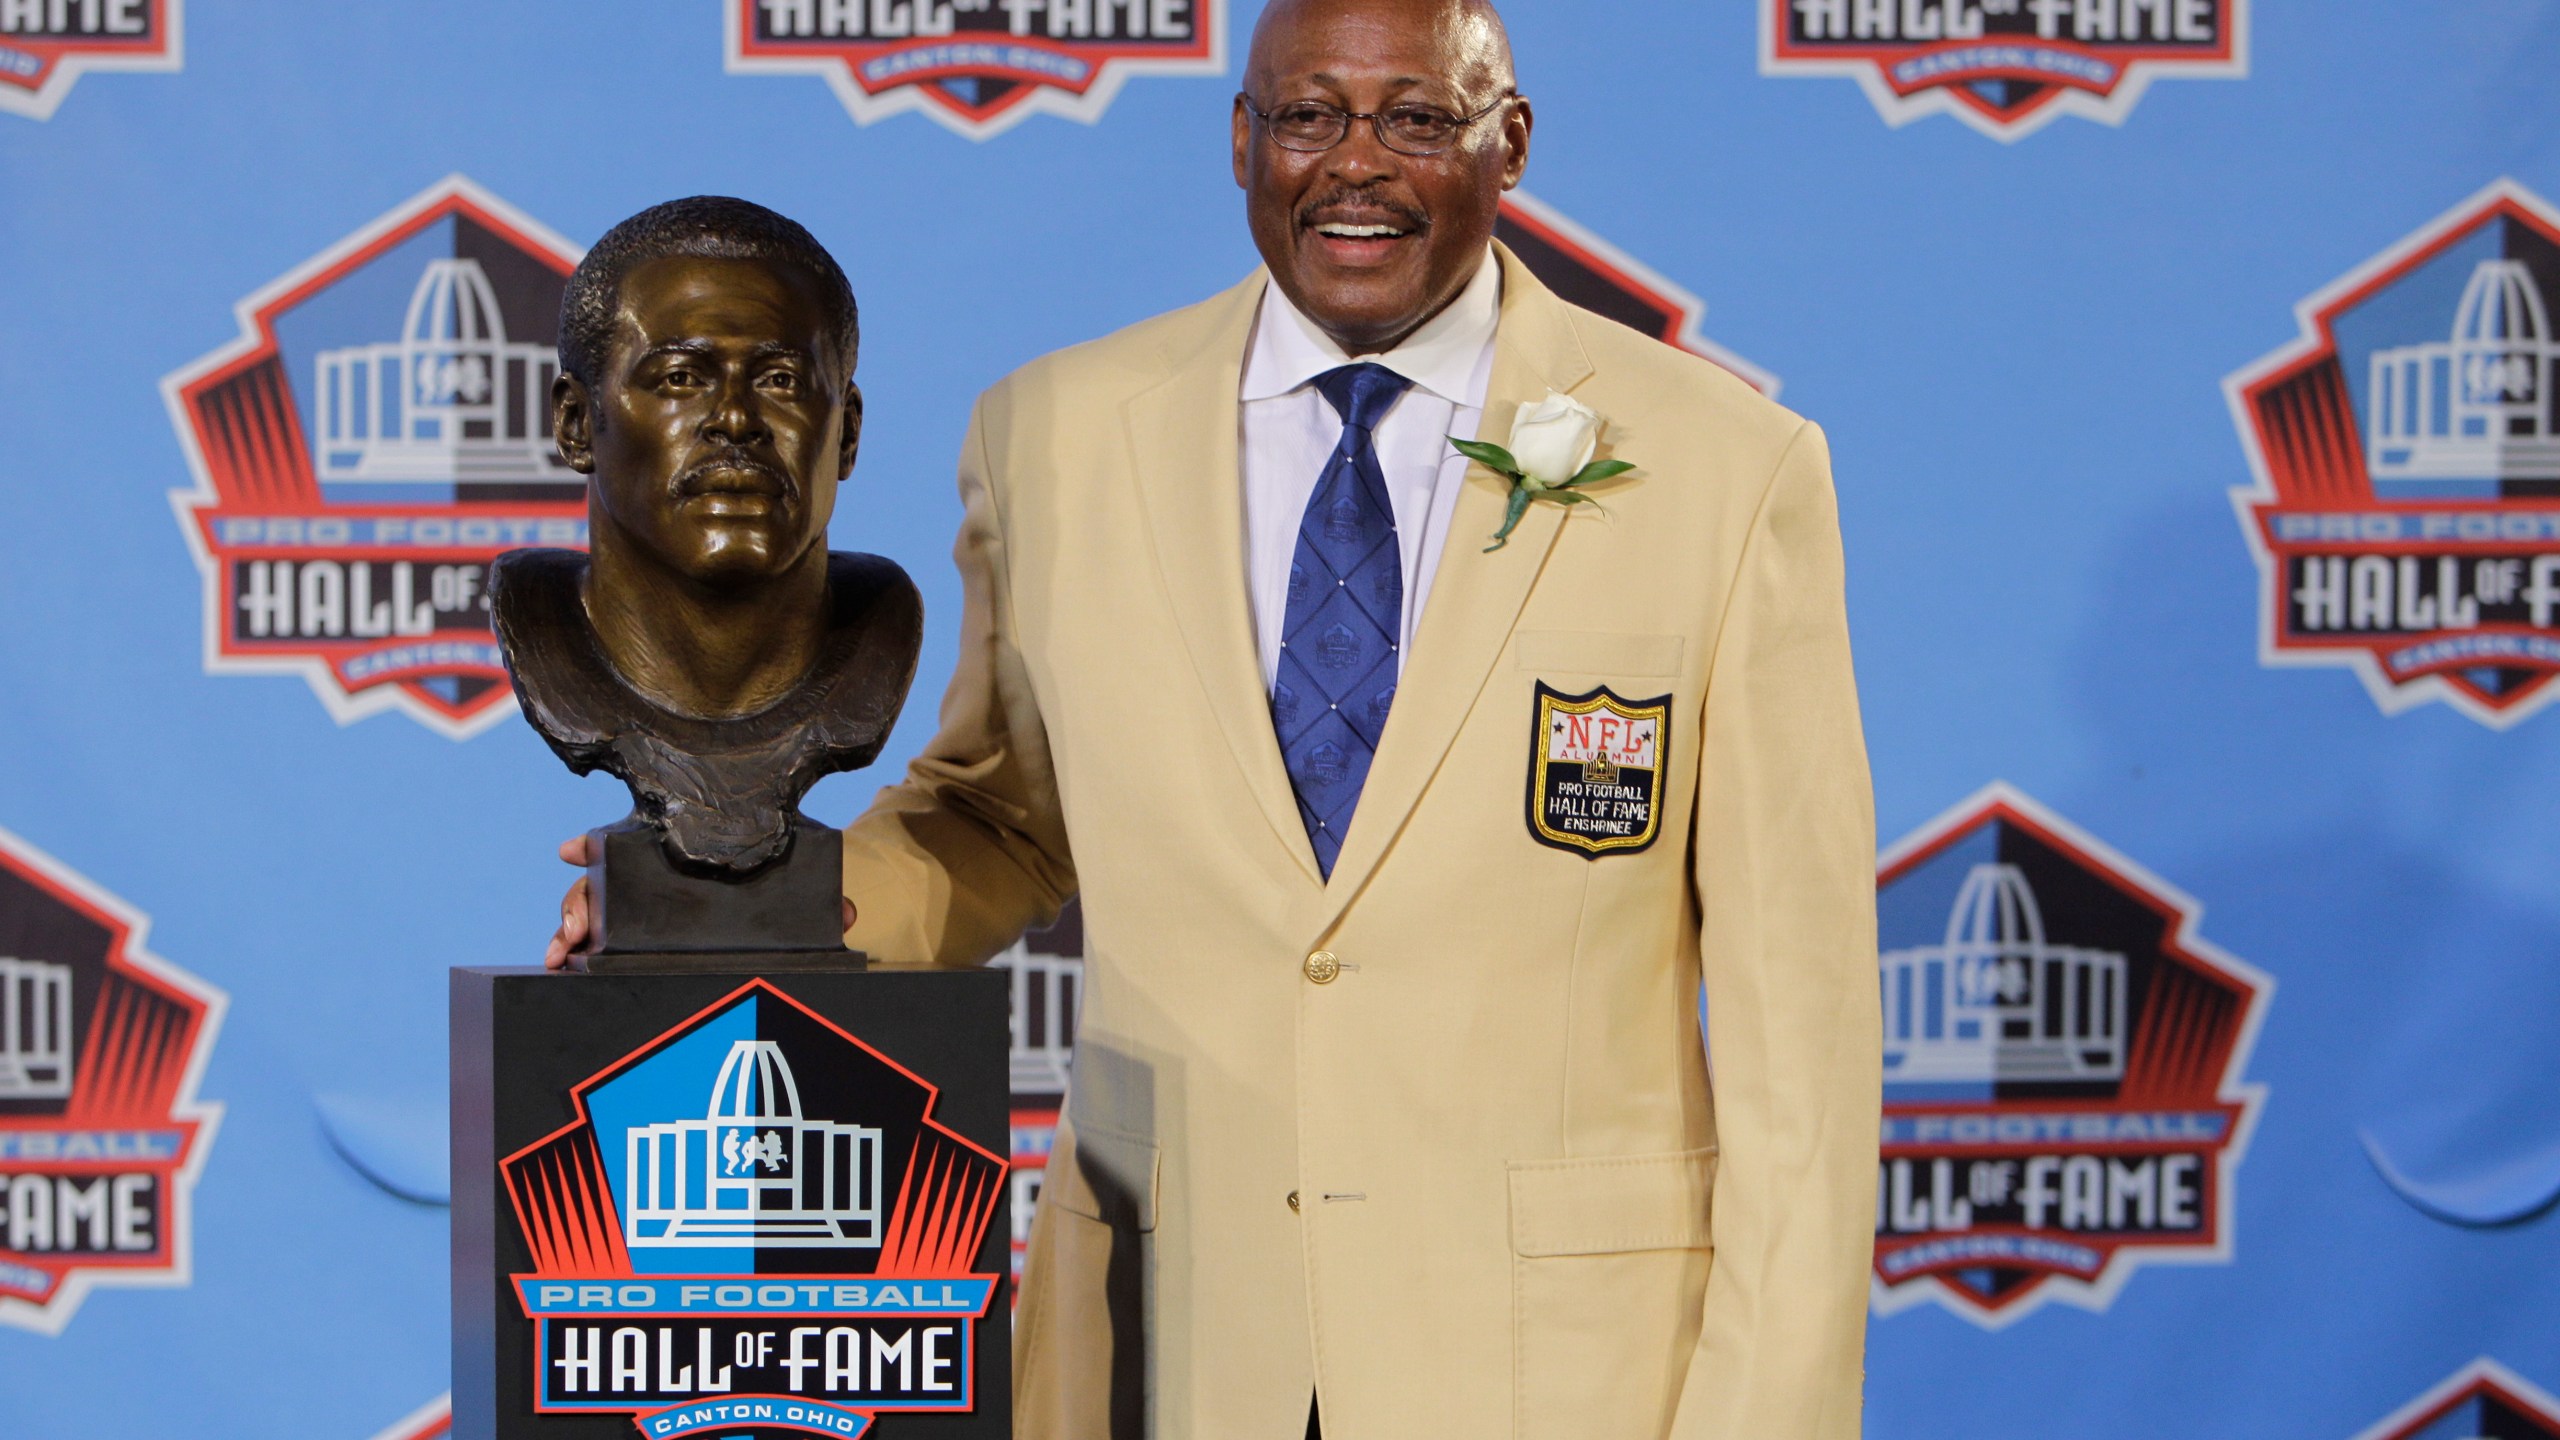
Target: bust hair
709 227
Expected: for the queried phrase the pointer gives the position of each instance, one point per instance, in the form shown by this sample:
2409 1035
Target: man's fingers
574 849
848 914
573 927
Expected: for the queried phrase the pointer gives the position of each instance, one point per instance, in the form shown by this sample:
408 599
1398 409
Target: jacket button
1322 966
1293 1199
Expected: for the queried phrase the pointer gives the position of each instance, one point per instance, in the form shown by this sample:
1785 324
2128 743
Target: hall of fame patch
1595 770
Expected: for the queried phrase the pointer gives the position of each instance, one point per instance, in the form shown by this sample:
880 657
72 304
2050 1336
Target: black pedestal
729 1205
646 907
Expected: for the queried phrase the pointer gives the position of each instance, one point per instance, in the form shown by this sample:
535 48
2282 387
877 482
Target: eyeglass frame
1377 123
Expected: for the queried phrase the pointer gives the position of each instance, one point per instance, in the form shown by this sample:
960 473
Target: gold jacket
1436 1139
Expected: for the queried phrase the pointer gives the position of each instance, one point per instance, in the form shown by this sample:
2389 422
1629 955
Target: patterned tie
1337 672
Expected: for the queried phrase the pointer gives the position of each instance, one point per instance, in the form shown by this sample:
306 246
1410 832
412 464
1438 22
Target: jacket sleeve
1785 856
953 863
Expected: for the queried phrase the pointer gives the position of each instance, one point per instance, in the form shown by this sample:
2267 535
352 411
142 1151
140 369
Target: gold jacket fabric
1436 1139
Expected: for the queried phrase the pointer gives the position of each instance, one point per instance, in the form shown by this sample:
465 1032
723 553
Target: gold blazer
1436 1139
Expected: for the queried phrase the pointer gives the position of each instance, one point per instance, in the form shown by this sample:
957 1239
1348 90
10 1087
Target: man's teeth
1358 232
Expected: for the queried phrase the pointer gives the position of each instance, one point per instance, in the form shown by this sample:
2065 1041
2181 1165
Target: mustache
696 478
1363 203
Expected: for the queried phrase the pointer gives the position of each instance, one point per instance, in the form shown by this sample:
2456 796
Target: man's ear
852 440
1242 126
1515 137
573 423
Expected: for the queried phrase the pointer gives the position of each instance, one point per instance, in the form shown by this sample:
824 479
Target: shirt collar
1287 350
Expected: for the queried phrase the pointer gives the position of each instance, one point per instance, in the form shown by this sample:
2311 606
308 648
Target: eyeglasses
1313 125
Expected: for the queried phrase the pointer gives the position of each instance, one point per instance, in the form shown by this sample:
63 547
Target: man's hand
574 917
573 908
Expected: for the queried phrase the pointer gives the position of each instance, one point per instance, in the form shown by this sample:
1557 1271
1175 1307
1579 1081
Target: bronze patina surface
708 649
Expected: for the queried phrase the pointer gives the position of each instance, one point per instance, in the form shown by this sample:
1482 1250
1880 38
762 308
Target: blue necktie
1337 672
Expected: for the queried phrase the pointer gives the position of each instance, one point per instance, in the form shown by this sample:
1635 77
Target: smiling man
1406 855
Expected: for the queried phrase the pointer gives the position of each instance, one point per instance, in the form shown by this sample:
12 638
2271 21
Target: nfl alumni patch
1595 770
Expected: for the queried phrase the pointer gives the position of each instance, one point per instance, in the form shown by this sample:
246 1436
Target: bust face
721 424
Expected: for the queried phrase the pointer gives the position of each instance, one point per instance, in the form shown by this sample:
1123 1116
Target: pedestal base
723 1204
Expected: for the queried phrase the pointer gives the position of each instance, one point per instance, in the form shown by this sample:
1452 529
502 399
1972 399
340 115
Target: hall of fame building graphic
101 1132
1047 968
2484 1400
378 432
45 45
2062 1062
2406 452
978 67
755 1223
2005 67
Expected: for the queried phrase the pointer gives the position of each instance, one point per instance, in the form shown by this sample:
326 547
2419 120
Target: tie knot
1362 394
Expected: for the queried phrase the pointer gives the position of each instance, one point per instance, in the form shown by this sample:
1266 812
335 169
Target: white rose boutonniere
1549 455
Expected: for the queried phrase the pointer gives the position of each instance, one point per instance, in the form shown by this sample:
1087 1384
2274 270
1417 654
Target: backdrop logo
2005 67
47 44
1047 967
2406 515
977 66
101 1134
2062 1061
1598 276
379 431
755 1221
2483 1399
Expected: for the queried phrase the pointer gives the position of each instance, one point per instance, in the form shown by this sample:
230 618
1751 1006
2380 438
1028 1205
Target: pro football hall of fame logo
977 66
2482 1401
756 1223
378 432
2005 67
2062 1066
47 44
2406 448
101 1133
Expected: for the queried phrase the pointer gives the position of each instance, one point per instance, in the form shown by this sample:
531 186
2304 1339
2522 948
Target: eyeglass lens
1314 125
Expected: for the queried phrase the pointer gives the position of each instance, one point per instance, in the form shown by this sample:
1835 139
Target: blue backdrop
2019 350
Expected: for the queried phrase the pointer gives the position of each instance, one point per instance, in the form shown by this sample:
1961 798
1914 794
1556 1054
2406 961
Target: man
1389 1090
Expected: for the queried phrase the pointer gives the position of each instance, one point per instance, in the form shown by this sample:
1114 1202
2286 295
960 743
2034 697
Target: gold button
1293 1199
1322 966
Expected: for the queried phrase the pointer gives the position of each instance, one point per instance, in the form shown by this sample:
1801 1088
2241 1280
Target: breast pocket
1597 652
1609 1261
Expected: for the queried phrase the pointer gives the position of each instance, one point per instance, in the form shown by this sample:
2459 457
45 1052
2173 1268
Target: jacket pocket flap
1107 1176
1596 652
1612 1203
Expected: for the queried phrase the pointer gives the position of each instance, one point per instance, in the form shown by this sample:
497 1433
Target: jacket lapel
1476 598
1183 435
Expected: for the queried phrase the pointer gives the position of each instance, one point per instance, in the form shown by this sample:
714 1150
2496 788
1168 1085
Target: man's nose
735 415
1360 157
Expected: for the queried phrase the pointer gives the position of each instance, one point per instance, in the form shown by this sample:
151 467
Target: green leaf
1576 497
1600 470
1510 518
1490 456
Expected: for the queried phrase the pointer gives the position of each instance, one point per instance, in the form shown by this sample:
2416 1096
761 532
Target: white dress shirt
1290 431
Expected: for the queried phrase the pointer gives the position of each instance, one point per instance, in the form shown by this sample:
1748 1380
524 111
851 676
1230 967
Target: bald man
1404 854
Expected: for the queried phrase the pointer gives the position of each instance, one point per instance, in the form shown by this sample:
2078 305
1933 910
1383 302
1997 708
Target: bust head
708 648
706 389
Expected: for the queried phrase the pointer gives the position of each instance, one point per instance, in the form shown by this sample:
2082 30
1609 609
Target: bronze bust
708 649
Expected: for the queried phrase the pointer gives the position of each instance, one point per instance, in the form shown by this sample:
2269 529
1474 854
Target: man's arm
952 864
1785 850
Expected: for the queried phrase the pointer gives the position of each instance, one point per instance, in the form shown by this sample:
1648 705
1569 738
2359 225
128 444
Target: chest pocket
1596 652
